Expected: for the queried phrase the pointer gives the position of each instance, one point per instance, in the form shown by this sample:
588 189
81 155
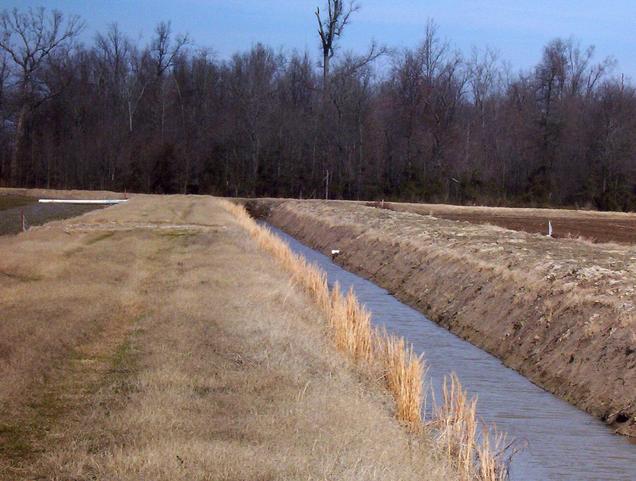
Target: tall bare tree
30 38
330 29
164 51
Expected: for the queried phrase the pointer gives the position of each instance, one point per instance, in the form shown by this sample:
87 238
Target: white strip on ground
82 201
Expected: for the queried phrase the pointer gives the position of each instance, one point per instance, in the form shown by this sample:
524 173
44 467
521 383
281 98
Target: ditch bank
559 312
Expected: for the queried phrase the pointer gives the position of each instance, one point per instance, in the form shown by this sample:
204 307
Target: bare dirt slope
594 226
154 340
559 311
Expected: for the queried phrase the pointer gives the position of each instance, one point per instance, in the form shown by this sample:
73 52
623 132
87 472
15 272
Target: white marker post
23 222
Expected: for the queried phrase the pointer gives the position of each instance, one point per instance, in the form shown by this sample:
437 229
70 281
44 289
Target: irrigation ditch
561 441
477 451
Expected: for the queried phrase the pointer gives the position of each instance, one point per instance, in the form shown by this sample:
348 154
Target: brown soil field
156 340
561 312
593 226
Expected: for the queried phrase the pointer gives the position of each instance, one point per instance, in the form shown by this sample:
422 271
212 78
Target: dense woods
426 123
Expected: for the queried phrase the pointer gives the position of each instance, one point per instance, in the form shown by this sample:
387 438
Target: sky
516 29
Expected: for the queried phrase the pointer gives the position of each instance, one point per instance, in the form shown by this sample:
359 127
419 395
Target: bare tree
330 29
483 78
163 50
114 50
148 68
29 39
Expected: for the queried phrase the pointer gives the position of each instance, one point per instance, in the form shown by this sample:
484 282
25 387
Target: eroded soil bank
561 312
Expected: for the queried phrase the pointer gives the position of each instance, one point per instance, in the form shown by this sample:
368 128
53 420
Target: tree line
427 123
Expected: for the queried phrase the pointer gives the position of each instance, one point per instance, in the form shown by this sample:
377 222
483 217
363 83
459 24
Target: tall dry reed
454 420
491 454
404 371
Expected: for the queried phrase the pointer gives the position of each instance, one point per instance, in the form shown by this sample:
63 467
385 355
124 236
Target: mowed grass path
153 340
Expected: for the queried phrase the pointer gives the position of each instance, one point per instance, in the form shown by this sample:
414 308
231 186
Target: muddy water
561 442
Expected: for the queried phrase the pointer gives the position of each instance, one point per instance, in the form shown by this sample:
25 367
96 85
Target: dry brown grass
454 420
404 371
53 297
210 376
350 323
67 303
456 425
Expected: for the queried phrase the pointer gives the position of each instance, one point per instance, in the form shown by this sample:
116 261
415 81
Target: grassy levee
454 420
561 312
157 340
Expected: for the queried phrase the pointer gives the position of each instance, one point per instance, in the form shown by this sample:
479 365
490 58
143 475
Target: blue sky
517 29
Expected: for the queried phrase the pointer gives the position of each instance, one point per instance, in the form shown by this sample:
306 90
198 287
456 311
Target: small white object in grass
335 252
549 229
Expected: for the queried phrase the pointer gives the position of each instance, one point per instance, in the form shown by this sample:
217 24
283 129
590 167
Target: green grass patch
124 361
22 433
178 233
19 439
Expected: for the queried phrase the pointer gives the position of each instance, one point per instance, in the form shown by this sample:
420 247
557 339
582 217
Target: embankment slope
561 312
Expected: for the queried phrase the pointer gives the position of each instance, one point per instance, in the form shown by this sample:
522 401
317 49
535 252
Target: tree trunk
20 138
130 117
325 77
360 160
